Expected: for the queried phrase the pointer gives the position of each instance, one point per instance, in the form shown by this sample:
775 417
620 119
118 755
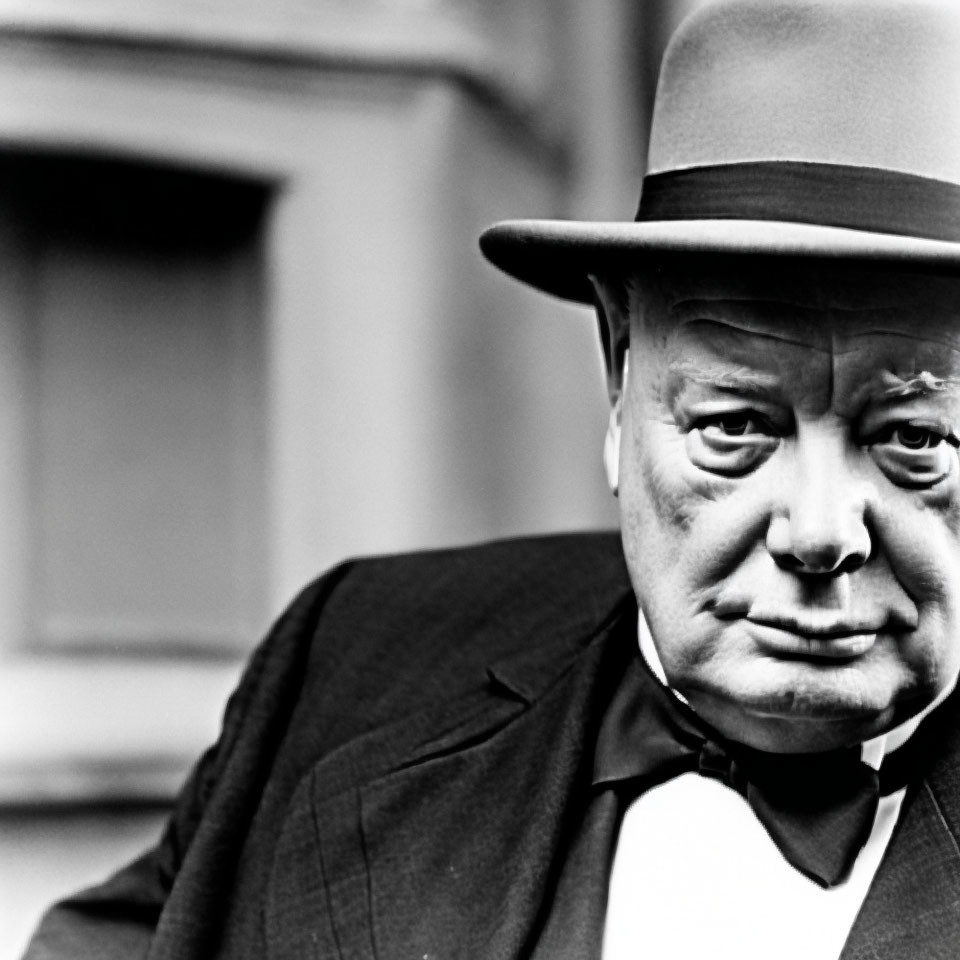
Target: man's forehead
833 308
768 325
888 364
873 367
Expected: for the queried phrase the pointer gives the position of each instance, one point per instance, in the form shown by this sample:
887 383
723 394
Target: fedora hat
820 128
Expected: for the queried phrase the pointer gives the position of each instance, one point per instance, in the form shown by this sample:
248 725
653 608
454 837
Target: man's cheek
662 479
679 533
920 540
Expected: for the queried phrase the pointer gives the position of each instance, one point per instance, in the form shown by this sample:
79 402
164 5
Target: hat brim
558 256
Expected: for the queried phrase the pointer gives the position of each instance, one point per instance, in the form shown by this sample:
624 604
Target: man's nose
820 522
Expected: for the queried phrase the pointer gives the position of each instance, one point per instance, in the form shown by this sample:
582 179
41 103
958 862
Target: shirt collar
872 751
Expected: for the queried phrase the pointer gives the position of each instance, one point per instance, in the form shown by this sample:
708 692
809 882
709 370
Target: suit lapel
438 837
912 910
462 848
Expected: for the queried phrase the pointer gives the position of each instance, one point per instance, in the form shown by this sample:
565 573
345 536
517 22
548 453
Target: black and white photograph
480 480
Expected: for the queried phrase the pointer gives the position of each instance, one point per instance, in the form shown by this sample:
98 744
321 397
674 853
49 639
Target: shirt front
695 874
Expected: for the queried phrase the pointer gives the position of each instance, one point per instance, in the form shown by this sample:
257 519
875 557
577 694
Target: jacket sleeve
119 918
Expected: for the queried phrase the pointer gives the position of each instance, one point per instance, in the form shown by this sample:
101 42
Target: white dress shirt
695 874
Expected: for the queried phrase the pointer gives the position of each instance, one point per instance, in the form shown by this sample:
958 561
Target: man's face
789 488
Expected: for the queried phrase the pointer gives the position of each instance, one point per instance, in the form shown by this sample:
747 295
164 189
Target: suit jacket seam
368 886
941 816
236 735
317 834
312 599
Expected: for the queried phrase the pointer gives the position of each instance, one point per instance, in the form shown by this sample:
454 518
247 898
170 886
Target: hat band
827 194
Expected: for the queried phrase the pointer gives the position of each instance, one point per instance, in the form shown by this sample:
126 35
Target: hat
822 128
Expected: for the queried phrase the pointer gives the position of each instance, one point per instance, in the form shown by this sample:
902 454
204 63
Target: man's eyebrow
743 380
923 384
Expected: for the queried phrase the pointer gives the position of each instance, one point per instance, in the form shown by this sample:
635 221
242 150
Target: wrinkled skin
789 487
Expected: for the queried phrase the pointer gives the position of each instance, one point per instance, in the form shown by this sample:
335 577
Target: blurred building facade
245 332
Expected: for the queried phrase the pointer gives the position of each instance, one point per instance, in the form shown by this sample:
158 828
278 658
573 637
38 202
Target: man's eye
731 424
915 438
740 424
915 456
731 444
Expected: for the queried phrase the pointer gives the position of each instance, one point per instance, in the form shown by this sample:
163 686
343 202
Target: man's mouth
820 635
809 632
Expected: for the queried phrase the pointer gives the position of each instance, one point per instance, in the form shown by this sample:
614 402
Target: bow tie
818 809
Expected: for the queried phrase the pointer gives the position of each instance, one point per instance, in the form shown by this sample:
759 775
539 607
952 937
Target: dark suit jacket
401 765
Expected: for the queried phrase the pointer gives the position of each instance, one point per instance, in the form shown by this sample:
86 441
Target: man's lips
801 638
829 634
817 624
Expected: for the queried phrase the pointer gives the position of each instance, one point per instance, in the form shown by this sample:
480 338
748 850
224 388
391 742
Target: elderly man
741 742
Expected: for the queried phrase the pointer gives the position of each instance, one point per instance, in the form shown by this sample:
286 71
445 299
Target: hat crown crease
855 82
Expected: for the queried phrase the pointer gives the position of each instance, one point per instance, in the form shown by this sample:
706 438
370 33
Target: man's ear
611 442
612 303
613 319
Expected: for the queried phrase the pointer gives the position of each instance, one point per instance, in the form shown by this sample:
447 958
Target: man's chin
800 718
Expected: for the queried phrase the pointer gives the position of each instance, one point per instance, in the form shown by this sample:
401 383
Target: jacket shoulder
404 628
506 578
